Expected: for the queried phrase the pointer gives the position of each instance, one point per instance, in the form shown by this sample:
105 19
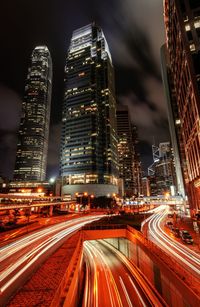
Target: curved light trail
117 282
186 256
22 255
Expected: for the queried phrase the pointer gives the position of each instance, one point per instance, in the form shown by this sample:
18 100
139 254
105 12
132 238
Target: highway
112 281
184 255
20 258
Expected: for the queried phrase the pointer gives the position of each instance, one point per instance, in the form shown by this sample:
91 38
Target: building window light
187 27
197 24
81 74
192 47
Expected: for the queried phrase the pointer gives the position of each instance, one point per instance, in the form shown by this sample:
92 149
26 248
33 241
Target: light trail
188 257
95 259
125 286
51 237
143 286
9 249
125 292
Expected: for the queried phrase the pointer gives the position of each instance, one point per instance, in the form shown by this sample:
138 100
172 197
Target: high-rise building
89 139
31 158
125 149
137 168
174 123
182 22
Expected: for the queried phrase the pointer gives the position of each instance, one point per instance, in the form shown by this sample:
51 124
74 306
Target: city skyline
143 94
101 116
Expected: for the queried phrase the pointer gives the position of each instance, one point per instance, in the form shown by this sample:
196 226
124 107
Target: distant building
182 23
164 169
162 173
125 150
146 186
32 146
89 161
137 169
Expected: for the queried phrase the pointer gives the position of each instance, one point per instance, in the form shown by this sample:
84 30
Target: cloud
10 109
149 121
9 123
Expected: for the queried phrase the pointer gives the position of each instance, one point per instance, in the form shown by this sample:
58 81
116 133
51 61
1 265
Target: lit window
197 24
192 47
187 27
81 74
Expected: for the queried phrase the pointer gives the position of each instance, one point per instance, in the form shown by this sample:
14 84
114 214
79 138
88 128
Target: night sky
135 32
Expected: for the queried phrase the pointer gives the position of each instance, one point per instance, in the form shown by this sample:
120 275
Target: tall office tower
89 140
31 158
125 150
182 22
137 169
174 123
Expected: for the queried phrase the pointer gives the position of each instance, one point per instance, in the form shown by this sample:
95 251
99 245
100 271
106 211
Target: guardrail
104 227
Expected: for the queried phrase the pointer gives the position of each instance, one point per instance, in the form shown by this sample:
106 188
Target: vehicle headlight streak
140 287
187 256
33 255
9 249
91 253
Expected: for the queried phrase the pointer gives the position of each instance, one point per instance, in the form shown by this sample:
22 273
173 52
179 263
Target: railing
104 227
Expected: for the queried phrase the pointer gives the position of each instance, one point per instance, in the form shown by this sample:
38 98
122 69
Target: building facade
182 23
174 123
137 167
125 150
165 171
32 146
89 161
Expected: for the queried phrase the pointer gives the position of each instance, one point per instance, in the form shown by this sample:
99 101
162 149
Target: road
112 281
20 258
184 255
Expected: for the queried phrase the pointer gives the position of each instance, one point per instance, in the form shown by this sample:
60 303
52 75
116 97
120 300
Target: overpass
12 201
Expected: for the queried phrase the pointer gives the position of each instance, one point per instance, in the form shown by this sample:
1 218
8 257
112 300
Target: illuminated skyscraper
125 150
31 158
89 143
182 23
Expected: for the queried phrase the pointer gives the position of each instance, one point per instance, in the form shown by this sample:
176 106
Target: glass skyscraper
31 158
89 139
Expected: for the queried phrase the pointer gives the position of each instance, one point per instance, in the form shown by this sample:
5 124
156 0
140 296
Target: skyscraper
89 139
137 167
125 149
174 123
182 22
31 158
